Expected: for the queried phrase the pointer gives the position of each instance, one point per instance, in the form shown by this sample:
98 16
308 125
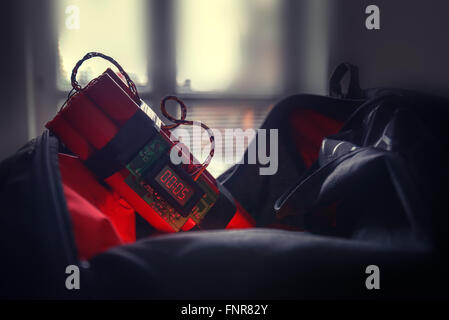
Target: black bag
381 178
388 194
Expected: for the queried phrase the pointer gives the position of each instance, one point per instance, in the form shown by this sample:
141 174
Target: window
228 45
224 115
224 58
114 27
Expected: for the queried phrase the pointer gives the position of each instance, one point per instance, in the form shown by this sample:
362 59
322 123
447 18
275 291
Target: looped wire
90 55
183 121
69 95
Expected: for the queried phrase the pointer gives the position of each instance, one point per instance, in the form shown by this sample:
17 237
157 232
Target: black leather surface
261 264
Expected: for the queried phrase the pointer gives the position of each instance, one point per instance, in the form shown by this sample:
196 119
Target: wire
90 55
177 122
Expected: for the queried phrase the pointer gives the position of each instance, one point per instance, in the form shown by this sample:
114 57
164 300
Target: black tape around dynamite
118 152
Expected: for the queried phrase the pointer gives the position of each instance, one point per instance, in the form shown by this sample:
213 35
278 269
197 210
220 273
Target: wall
13 113
410 50
28 72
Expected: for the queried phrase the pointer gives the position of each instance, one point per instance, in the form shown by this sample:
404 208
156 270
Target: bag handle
335 88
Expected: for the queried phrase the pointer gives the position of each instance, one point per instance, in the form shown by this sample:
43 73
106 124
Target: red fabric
308 130
101 219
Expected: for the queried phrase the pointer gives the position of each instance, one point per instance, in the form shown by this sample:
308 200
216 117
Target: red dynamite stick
76 143
241 219
112 99
120 80
91 123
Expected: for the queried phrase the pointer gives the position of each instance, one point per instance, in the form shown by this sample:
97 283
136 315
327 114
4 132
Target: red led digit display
174 185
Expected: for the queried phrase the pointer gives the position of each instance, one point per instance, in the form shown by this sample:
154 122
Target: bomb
121 140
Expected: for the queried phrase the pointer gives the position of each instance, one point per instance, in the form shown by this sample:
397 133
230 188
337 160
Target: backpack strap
301 198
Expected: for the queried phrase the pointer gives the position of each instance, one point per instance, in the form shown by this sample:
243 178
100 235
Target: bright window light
114 27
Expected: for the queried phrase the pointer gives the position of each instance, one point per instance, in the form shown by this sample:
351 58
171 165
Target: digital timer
176 187
174 184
